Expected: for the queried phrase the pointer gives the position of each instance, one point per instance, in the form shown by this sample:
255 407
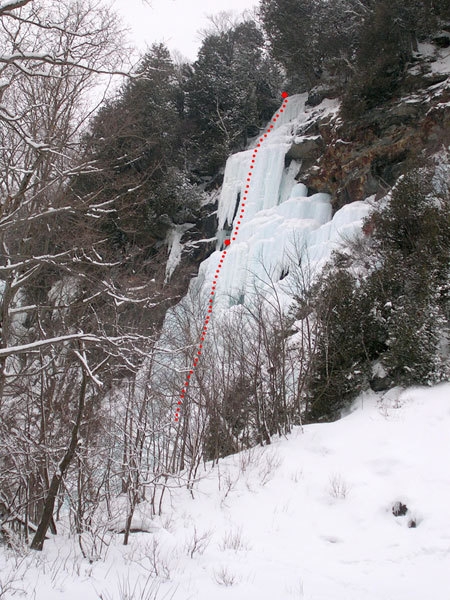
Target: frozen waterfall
282 226
281 222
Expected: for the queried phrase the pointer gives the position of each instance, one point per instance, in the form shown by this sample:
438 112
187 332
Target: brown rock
367 155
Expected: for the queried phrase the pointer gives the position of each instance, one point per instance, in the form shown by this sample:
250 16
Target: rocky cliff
355 158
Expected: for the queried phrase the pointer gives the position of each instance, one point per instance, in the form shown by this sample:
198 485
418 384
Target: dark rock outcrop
365 156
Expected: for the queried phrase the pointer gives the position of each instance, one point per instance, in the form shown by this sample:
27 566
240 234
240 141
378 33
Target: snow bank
309 518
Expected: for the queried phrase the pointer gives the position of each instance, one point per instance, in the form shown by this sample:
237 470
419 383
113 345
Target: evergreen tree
135 145
387 302
385 46
311 38
231 93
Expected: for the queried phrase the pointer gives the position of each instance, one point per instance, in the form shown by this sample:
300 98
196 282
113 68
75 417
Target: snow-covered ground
309 517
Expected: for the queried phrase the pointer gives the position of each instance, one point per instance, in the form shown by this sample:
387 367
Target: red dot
284 94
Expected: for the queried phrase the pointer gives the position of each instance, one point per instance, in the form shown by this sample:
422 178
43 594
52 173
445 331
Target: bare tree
53 54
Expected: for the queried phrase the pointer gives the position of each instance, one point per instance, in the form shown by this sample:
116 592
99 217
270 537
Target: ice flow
281 223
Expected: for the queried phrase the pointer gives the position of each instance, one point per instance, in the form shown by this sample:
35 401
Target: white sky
174 22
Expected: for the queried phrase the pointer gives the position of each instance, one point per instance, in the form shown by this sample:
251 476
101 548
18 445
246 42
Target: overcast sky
174 22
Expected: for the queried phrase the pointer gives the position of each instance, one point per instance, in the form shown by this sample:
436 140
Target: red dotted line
227 242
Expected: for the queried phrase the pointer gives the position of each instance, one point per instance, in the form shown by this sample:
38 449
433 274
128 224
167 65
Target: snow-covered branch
32 262
7 6
83 359
25 348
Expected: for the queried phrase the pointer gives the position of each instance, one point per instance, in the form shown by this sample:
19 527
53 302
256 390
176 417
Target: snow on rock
439 57
442 64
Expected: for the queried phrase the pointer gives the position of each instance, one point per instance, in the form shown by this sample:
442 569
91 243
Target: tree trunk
49 504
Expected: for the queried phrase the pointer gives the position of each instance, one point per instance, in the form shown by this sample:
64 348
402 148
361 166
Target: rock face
352 160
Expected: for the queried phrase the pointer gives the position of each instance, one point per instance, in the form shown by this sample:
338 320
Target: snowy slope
309 517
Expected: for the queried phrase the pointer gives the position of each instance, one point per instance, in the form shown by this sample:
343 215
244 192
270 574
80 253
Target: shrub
386 301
